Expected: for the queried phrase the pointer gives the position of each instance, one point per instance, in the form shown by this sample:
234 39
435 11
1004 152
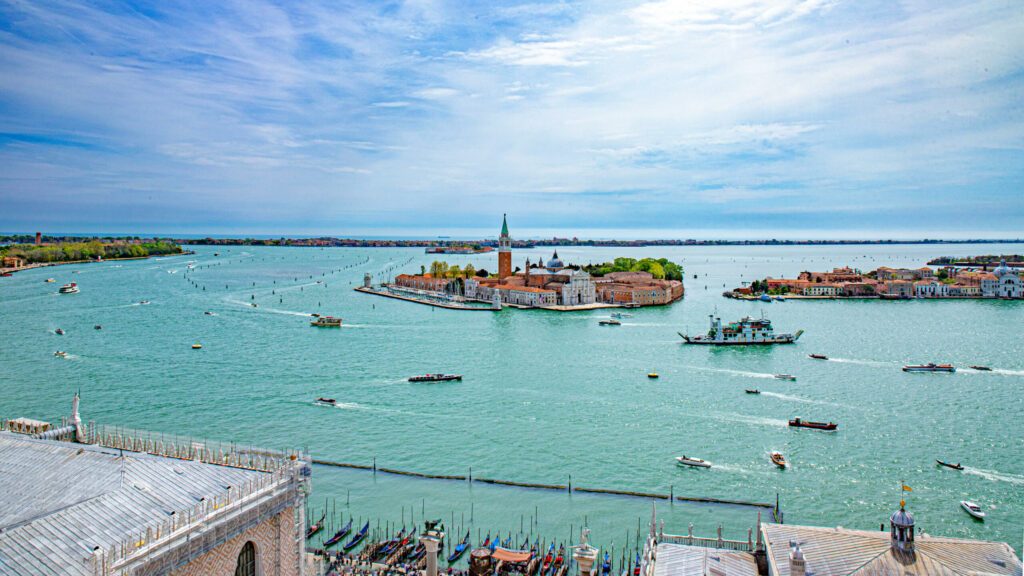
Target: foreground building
94 501
789 550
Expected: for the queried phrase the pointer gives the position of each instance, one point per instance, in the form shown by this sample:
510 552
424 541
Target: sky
662 118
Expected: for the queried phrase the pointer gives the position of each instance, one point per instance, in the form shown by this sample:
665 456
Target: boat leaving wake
753 420
342 405
271 310
735 372
1008 372
995 476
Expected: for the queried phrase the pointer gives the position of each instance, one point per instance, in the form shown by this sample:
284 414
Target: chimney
797 564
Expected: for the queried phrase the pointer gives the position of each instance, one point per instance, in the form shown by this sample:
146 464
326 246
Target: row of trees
660 268
441 269
71 251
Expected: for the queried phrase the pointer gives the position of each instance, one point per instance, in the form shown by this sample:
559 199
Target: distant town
983 279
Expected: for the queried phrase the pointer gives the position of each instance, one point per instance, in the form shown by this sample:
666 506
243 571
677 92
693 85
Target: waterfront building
930 289
515 294
793 550
844 274
422 282
88 500
886 273
504 250
897 288
1009 284
823 290
13 262
637 288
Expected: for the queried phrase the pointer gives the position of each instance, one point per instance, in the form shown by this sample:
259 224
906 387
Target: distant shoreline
328 242
36 265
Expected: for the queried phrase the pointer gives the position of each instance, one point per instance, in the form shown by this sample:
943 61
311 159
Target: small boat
780 299
143 302
612 322
789 377
606 565
981 368
695 462
6 274
956 466
435 378
326 322
71 288
765 298
315 315
359 537
973 509
778 459
60 354
316 526
339 535
97 327
652 374
254 305
197 346
754 391
929 367
621 315
327 401
460 549
208 313
50 280
818 356
59 331
797 422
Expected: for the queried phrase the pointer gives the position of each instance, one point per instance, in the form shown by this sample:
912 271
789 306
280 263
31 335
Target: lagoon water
546 395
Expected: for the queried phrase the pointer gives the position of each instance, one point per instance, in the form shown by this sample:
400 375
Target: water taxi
652 375
695 462
621 315
59 331
972 509
612 322
956 466
60 354
818 356
797 422
789 377
71 288
435 378
326 321
50 280
778 459
930 367
747 331
197 346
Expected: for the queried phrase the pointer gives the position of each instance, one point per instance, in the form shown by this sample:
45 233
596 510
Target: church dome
902 518
555 262
1002 270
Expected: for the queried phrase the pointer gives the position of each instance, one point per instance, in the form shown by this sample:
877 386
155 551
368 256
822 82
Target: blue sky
732 118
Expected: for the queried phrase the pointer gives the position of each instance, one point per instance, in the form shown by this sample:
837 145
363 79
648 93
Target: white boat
695 462
612 322
972 509
69 288
747 331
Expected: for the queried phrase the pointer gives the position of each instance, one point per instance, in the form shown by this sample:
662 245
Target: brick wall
275 551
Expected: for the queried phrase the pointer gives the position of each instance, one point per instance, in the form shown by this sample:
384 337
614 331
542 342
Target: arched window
246 560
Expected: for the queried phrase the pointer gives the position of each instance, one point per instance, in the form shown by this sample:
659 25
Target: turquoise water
546 395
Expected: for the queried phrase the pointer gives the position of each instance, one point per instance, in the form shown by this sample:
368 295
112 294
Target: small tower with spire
901 530
504 250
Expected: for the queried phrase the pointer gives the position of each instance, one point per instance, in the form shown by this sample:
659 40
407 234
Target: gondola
606 566
316 526
956 466
339 535
460 549
548 559
358 538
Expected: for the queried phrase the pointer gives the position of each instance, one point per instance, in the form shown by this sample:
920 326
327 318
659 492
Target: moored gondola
460 549
339 535
316 526
358 538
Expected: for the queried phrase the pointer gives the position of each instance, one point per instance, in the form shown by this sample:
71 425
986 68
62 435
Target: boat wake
752 420
789 398
271 310
342 405
1007 372
743 373
861 362
995 476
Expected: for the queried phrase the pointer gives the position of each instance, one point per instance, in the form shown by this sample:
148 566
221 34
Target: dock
445 305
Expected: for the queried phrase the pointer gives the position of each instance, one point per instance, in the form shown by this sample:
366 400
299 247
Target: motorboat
780 299
972 509
50 280
60 354
97 327
327 401
818 356
956 466
778 459
930 367
753 391
744 332
71 288
143 302
254 305
981 368
208 313
435 378
621 315
197 346
695 462
326 322
789 377
799 423
59 331
612 322
652 375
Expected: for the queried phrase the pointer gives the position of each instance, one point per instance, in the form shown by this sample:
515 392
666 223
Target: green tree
469 271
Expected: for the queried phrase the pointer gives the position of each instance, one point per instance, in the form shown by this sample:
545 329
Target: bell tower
504 250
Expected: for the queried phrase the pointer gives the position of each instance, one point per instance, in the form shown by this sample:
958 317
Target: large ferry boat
747 331
326 322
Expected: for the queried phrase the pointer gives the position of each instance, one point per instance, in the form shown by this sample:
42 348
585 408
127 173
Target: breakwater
541 486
